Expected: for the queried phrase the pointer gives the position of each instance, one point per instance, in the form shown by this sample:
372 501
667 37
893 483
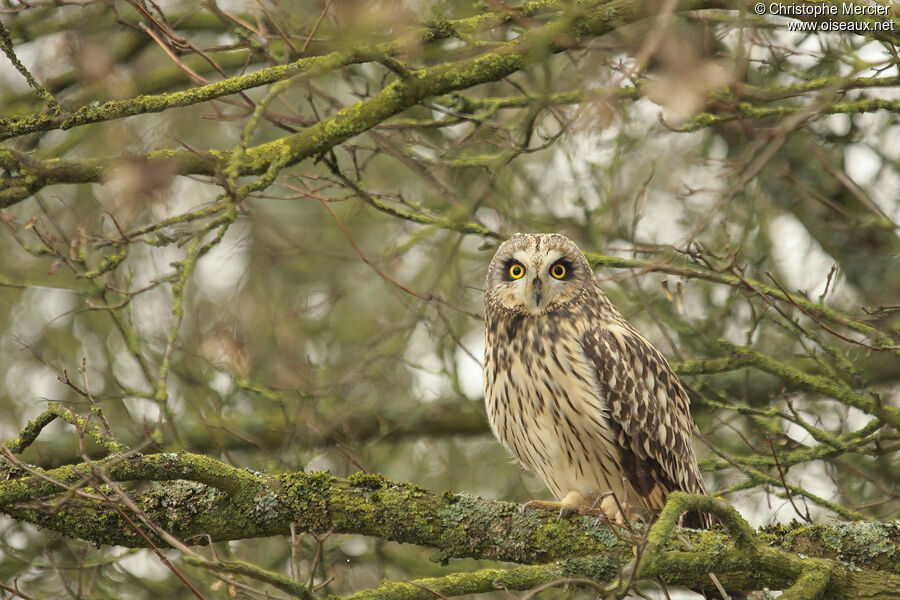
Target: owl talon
565 512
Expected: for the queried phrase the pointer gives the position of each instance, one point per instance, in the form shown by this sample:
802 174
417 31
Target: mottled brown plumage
579 397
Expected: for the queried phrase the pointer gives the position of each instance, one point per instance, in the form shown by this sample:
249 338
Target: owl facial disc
534 274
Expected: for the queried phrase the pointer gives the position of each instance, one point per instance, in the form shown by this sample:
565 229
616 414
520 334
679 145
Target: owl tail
697 520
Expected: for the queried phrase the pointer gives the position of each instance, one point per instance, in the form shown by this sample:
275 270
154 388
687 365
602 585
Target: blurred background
331 320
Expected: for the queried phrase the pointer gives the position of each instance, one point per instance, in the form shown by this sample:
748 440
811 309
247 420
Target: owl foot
574 502
564 511
609 508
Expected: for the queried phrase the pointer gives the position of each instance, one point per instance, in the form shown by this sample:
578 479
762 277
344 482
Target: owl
575 392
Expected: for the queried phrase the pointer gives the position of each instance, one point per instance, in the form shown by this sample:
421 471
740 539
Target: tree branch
198 498
28 175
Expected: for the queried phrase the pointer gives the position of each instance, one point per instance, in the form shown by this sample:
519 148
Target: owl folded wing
649 413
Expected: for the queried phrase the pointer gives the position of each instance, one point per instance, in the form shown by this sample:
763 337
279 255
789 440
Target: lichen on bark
197 498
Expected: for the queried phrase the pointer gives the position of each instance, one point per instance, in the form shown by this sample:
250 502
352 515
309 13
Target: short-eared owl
581 398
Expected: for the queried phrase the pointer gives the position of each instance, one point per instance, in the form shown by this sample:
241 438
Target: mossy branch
239 567
46 97
811 577
746 110
28 174
197 498
445 418
475 582
575 23
234 504
865 440
54 411
744 356
679 503
814 309
308 66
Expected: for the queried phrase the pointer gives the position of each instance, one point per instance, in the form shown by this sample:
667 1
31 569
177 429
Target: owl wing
649 413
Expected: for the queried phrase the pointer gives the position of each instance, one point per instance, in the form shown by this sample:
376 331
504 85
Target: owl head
537 273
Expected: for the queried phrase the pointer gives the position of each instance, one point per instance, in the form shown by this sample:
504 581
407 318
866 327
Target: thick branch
200 496
234 504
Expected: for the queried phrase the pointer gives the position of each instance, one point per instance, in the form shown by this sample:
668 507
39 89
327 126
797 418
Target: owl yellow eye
516 271
558 271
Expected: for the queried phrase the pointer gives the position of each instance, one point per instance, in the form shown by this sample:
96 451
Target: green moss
371 481
598 568
245 504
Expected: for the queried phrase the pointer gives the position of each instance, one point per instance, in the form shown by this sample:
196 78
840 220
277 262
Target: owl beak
536 292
